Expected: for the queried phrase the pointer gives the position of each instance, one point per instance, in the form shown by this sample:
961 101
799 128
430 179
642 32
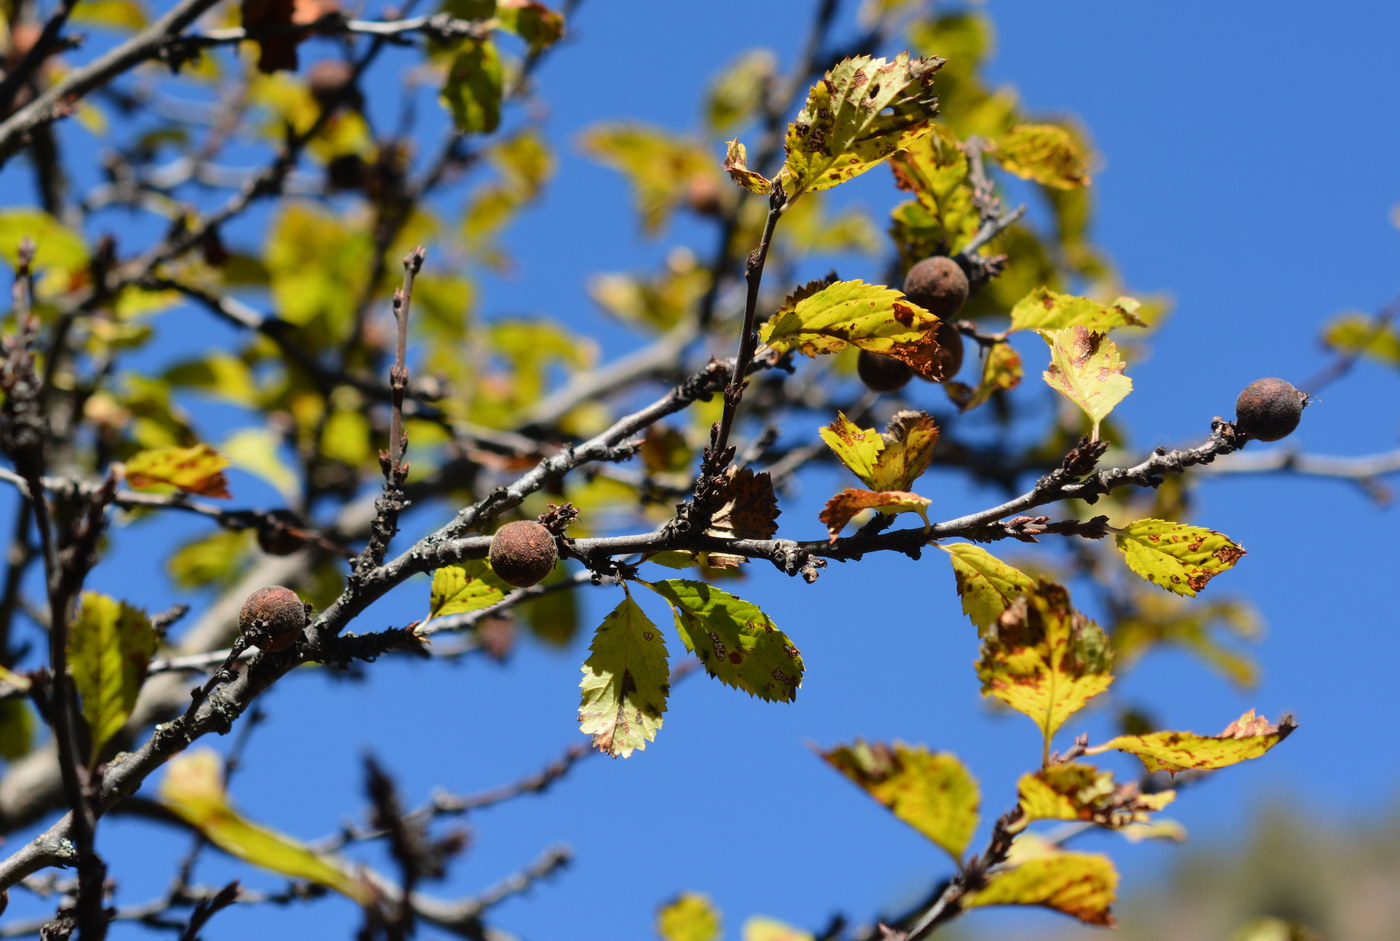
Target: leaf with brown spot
736 164
1247 737
852 313
892 461
986 584
198 469
935 169
841 508
1044 309
736 642
1001 371
1077 791
1086 369
933 792
1081 885
1045 659
468 586
1180 558
625 682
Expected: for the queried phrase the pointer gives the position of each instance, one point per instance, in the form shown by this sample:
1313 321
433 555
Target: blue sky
1249 157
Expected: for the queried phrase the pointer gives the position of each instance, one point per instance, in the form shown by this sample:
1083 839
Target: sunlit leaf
1044 309
1046 153
474 85
625 682
193 788
688 917
736 164
935 170
736 642
1085 368
759 928
469 586
1247 737
1001 370
1359 335
110 644
533 22
986 584
16 729
1080 885
933 792
1180 558
198 469
843 507
1077 791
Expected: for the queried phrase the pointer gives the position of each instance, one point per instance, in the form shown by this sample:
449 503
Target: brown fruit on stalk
1268 409
938 285
523 553
272 618
950 349
882 373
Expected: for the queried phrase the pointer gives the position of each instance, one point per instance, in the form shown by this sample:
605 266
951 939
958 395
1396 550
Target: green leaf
1045 659
986 584
1180 558
16 729
933 792
123 15
861 112
1157 620
738 644
856 447
1247 737
470 586
110 644
843 507
625 682
1001 370
55 245
1078 791
688 917
1081 885
255 451
215 559
193 789
474 85
826 318
1085 368
1044 309
535 23
198 469
1046 153
1360 335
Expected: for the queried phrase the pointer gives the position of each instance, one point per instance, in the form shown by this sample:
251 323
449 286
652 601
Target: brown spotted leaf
736 164
986 584
198 469
1001 370
1081 885
852 313
1180 558
1077 791
1044 309
1045 659
625 682
841 508
736 642
892 461
935 170
933 792
1086 369
1247 737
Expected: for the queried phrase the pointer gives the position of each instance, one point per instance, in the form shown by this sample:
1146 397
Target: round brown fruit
938 285
1268 409
523 553
950 349
272 618
882 373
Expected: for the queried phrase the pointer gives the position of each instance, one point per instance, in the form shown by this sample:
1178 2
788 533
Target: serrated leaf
1044 309
1044 659
625 682
736 164
1180 558
736 642
935 170
852 313
197 469
862 111
1077 791
1001 370
759 928
933 792
1046 153
1081 885
1359 335
986 584
1085 368
841 508
1247 737
856 447
688 917
889 461
110 644
469 586
473 87
193 789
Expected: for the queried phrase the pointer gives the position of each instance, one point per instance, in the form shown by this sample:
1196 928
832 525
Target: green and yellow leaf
1081 885
474 86
193 789
1085 368
1001 370
1045 659
736 164
738 644
892 461
1356 334
469 586
1044 309
1247 737
759 928
688 917
625 682
935 170
1180 558
843 507
986 584
660 165
197 469
1078 791
1046 153
110 644
532 21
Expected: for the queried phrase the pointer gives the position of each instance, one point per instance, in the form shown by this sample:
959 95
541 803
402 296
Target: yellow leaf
1046 153
193 789
625 682
1247 737
110 644
1044 309
934 169
1085 368
1174 556
688 917
736 164
470 586
986 584
933 792
892 461
841 508
197 469
1081 885
759 928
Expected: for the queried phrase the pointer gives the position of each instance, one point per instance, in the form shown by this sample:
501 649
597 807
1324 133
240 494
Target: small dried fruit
938 285
523 553
950 349
272 618
882 373
1268 409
